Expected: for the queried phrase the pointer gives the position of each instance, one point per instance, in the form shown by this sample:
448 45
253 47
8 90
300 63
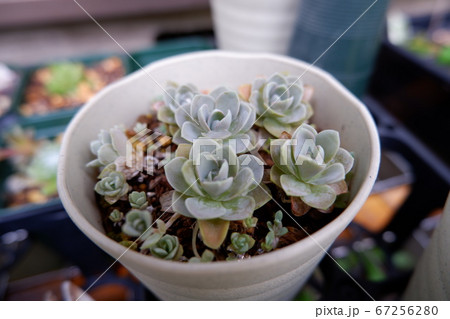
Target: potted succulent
226 215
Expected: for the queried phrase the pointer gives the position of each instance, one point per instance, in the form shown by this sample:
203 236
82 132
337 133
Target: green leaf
64 78
261 194
202 208
345 158
213 232
329 140
217 188
274 127
332 174
241 208
255 164
179 204
275 175
166 115
228 101
294 187
175 177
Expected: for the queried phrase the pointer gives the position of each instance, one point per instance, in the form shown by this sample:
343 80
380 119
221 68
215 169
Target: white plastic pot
274 276
254 25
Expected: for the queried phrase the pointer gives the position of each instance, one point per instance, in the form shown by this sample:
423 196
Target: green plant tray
55 118
6 169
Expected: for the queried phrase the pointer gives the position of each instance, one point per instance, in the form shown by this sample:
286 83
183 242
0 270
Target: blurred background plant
34 163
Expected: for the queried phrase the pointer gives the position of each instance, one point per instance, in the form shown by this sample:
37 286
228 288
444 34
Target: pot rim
316 238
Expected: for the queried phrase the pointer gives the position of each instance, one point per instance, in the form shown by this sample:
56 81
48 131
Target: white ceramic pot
254 25
274 276
431 278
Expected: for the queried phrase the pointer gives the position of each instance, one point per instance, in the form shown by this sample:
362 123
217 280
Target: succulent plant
137 223
138 200
176 96
64 77
240 243
215 187
219 115
276 230
108 147
43 167
250 222
311 166
168 247
115 216
155 235
112 186
279 104
206 257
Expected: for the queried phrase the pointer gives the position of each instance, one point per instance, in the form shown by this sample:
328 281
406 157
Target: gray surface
34 45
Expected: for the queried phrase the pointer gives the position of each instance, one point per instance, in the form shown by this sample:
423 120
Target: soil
299 226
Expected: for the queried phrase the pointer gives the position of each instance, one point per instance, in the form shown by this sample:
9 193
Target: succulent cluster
215 186
240 243
219 115
279 104
175 97
311 166
108 147
216 178
112 186
138 200
168 247
276 230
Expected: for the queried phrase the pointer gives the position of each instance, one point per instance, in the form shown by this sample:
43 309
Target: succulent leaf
311 166
64 78
241 243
